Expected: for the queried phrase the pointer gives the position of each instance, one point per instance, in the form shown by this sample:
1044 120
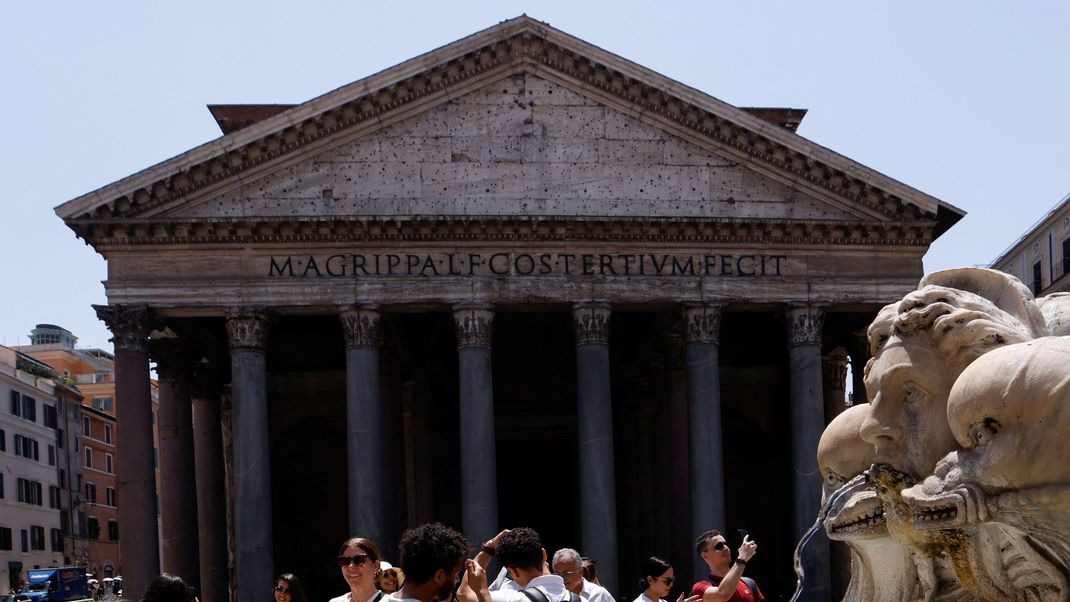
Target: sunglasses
720 546
568 574
357 560
667 580
281 589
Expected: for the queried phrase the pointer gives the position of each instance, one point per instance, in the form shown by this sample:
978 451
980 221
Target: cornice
110 234
519 44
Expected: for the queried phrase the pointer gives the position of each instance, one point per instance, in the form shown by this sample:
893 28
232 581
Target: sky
965 100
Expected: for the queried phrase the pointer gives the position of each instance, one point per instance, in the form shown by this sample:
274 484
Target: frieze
591 321
474 325
129 324
514 263
525 47
360 326
246 327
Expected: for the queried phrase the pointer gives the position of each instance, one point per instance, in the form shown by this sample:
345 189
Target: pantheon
517 280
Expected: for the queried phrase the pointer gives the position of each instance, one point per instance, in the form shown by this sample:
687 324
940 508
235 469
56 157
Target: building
1041 257
95 518
516 255
31 527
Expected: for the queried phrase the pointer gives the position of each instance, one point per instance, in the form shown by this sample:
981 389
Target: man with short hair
432 557
568 564
726 582
521 553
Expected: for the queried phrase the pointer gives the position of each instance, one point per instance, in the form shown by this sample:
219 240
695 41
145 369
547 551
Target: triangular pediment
703 157
522 145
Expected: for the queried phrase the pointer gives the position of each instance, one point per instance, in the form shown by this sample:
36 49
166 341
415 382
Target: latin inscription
428 265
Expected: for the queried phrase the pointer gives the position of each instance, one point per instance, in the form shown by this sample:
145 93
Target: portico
518 254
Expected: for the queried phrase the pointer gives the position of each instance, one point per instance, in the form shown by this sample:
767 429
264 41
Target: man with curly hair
520 551
432 557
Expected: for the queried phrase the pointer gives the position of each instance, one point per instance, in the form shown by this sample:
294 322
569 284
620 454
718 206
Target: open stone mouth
862 523
931 515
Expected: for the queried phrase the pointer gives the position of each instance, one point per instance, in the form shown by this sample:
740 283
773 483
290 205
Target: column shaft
479 480
254 559
808 422
706 465
598 498
364 438
177 475
139 545
211 491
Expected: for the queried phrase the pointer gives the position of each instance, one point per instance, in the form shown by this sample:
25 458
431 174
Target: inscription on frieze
519 263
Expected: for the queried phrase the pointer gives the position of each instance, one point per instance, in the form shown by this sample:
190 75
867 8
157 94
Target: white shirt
596 593
551 585
348 597
643 598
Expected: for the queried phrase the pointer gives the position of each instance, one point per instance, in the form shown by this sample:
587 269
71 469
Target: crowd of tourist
435 567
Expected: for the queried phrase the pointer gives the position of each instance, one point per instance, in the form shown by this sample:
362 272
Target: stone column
178 484
702 328
807 423
598 498
139 544
834 379
364 438
254 561
479 480
211 487
858 351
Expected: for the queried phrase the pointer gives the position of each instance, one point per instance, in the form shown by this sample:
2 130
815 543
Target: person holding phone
726 582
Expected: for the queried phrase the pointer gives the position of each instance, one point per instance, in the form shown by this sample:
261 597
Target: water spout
850 487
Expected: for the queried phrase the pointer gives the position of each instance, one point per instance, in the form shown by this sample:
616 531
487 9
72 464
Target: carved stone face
908 383
856 512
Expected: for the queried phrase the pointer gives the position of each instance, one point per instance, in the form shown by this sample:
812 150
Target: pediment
521 145
449 133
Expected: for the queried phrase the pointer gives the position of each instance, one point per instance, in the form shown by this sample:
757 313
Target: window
29 408
51 455
88 457
59 437
102 403
57 540
29 492
24 538
5 538
37 537
16 403
86 424
3 441
53 496
107 433
1 485
113 530
93 528
1038 281
91 492
63 478
27 448
109 464
1066 255
112 498
50 415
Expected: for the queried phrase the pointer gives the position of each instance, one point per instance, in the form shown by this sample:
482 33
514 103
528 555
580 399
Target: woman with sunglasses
657 582
359 560
288 588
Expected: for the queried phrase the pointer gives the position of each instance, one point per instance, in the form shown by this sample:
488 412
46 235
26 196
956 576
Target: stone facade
494 252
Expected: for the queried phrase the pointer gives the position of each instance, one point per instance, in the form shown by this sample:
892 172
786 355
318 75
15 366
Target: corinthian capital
474 325
592 323
702 323
129 325
360 324
804 323
246 327
834 368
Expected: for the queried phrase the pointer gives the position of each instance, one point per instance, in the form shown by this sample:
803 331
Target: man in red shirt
726 582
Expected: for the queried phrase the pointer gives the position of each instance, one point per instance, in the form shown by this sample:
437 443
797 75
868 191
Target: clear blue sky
967 101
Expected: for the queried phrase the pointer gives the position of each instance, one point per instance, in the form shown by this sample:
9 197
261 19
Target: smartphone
742 534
